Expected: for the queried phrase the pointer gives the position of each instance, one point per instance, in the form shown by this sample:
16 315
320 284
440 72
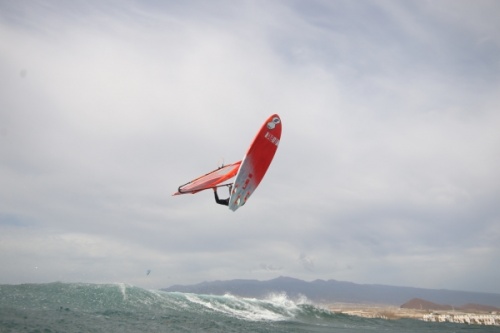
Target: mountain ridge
421 304
330 291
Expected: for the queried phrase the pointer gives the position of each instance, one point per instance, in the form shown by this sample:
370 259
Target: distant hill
470 307
331 291
420 304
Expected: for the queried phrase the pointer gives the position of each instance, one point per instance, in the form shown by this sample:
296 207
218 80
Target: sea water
64 307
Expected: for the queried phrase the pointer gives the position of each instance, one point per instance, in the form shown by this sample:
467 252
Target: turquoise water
64 307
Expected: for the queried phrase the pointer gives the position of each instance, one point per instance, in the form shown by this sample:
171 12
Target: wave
106 298
275 307
80 307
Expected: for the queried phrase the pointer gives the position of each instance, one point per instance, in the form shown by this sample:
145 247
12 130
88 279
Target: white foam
281 300
276 308
123 289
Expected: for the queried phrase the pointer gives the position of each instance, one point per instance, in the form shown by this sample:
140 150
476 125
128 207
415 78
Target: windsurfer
224 202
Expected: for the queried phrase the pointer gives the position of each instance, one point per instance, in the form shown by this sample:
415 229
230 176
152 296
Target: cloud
270 267
307 262
386 171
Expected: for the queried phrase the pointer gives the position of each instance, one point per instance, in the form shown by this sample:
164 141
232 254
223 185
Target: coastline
392 312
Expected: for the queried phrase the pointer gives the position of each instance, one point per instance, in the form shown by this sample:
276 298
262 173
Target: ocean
78 307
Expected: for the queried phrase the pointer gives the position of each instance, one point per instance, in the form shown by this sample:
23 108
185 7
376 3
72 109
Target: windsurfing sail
210 180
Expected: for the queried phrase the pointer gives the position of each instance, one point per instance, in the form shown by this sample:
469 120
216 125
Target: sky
387 170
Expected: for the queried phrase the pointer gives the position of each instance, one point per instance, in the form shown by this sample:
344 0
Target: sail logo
272 138
272 124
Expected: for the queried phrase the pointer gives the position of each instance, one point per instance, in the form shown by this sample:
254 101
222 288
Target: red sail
210 179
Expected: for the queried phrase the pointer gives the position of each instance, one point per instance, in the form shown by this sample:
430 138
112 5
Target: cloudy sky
387 171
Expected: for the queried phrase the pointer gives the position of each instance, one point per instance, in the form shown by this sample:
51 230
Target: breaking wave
79 307
122 297
275 307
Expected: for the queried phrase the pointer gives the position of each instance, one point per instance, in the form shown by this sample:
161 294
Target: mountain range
332 291
420 304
